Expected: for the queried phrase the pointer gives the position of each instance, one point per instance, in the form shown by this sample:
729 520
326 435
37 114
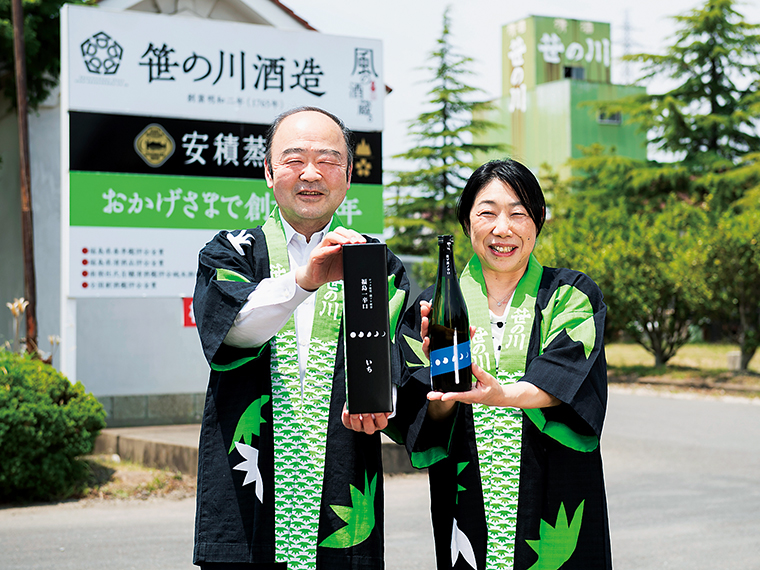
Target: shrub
46 423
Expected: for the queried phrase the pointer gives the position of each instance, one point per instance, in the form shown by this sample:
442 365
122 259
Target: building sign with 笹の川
540 49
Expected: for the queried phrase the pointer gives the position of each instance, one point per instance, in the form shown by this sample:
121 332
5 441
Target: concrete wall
11 261
133 353
44 144
44 148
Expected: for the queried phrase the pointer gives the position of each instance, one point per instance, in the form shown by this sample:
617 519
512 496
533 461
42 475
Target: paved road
683 480
683 483
158 533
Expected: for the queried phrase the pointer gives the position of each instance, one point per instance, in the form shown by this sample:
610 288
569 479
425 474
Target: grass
699 366
703 356
113 478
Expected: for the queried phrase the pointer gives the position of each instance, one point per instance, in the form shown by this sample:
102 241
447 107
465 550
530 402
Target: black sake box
366 328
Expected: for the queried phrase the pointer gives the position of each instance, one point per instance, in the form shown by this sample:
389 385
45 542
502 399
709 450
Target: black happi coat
232 523
554 478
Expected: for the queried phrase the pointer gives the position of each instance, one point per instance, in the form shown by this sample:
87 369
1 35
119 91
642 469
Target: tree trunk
745 358
30 284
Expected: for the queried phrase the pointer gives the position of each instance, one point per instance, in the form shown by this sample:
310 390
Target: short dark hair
515 175
347 135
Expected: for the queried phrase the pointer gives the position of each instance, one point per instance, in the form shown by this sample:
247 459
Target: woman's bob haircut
513 174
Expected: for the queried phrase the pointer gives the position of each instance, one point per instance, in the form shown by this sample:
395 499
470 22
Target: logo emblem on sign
363 162
154 145
102 54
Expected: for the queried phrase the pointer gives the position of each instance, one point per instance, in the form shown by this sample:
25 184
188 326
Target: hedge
46 424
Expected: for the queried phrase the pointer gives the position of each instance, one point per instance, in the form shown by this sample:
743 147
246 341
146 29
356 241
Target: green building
550 66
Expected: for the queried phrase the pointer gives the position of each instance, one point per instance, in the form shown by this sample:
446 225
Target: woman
521 485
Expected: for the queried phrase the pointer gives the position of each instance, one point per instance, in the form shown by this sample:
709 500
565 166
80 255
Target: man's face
309 176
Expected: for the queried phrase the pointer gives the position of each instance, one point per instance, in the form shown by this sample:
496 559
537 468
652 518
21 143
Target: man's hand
365 423
326 260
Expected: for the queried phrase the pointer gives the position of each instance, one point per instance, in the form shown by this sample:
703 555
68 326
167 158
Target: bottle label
443 360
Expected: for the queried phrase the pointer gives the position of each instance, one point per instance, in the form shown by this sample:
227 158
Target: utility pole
627 48
30 284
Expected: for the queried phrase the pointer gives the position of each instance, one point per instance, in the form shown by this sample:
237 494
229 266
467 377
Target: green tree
650 262
708 122
607 179
710 117
658 277
43 49
730 187
735 277
425 202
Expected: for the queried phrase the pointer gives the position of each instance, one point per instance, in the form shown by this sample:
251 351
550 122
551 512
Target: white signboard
136 63
162 134
133 262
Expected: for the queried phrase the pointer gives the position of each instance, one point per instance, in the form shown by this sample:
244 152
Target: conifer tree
442 159
710 117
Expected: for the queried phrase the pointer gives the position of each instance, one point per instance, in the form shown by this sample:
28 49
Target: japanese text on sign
265 73
122 268
254 208
368 298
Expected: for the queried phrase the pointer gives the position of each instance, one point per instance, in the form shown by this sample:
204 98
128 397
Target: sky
409 29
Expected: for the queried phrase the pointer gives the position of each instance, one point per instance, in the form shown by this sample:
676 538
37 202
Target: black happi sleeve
230 266
572 365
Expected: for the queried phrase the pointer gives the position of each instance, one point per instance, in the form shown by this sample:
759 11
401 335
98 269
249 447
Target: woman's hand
486 391
489 392
425 308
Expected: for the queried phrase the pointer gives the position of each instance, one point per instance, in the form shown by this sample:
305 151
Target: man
282 483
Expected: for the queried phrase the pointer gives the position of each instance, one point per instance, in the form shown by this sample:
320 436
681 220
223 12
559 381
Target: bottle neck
446 260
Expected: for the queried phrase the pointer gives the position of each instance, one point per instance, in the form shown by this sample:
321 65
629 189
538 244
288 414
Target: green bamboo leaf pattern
499 439
300 442
249 423
360 517
558 542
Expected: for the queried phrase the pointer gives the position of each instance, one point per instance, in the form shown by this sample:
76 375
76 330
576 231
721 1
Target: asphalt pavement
683 484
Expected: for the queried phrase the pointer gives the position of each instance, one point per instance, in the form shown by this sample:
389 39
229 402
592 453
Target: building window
609 118
575 72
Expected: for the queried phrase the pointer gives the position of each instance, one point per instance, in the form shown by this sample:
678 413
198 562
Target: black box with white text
366 328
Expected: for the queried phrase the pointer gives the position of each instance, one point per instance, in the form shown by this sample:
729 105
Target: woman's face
502 233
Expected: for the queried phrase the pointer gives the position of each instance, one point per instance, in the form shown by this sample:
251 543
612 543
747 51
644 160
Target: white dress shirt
275 299
270 305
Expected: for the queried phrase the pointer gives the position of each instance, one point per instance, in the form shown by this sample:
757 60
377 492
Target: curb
169 447
157 454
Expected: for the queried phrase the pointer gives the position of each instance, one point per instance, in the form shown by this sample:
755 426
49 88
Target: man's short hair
347 135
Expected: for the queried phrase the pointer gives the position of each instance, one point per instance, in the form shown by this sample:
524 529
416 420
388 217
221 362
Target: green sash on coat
301 412
499 430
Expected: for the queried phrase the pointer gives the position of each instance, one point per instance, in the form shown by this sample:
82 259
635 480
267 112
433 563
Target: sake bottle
449 327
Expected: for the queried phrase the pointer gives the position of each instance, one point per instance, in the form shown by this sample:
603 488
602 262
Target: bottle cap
445 239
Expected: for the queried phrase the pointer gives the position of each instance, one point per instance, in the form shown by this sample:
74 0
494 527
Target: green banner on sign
104 199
